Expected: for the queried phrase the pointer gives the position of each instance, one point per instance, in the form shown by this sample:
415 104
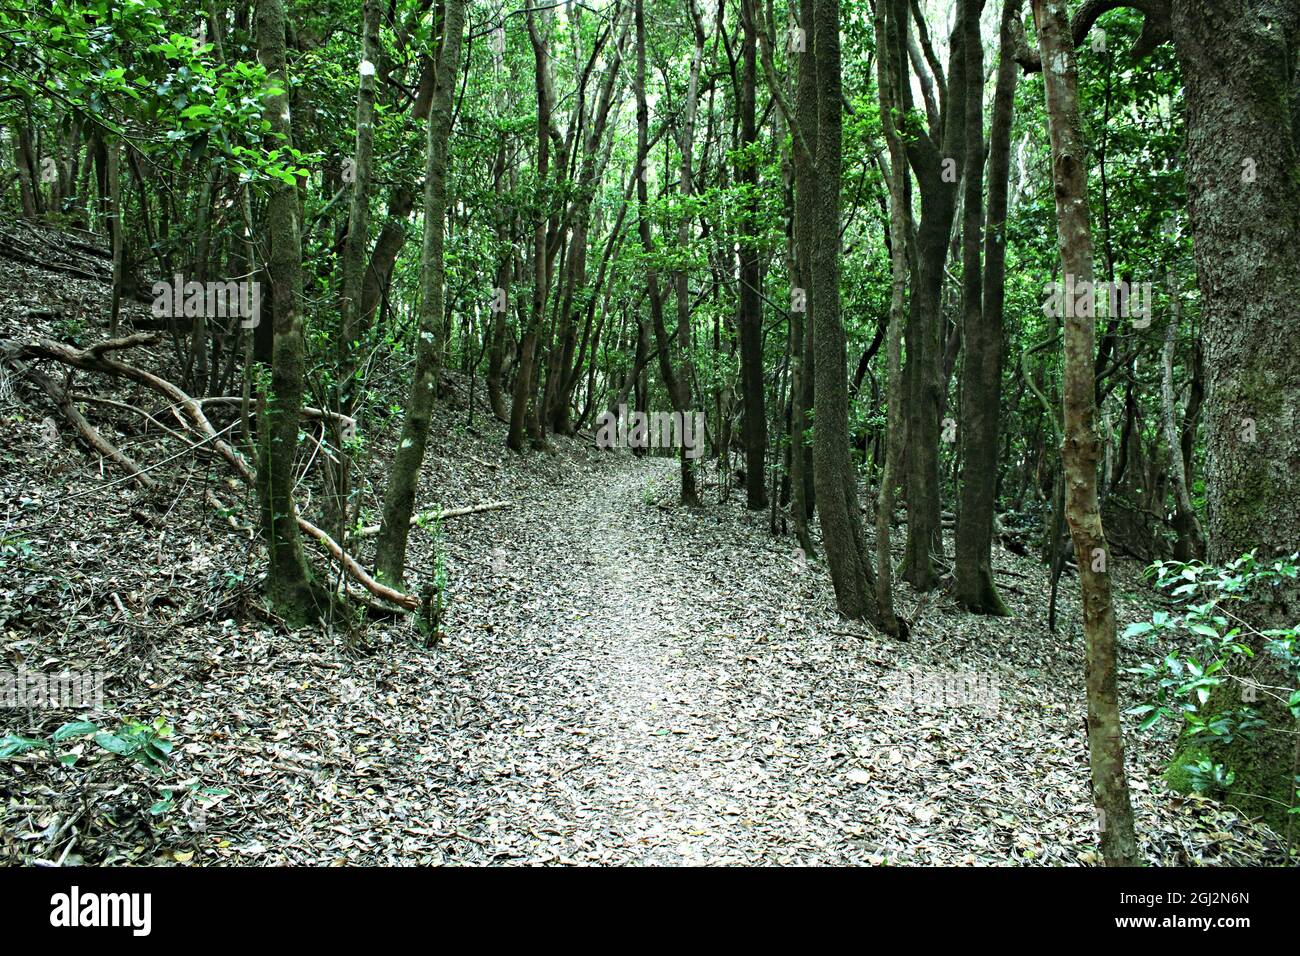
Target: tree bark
1081 450
399 499
676 379
937 159
842 537
289 582
1244 200
749 318
982 317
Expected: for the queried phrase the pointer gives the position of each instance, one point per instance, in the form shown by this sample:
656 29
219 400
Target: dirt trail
642 708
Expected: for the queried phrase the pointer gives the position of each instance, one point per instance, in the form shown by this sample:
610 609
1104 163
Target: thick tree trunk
1081 450
1238 59
842 537
982 317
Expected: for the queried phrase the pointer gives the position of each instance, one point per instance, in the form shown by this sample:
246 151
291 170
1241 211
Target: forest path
658 762
663 685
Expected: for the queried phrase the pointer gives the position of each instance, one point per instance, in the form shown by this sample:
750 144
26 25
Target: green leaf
78 728
114 744
17 745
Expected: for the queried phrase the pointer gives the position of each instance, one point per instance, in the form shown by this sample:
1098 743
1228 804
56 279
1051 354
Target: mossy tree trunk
1243 181
399 499
289 582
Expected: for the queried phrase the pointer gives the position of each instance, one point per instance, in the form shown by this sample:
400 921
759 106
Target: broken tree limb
100 400
370 531
93 360
89 432
408 601
307 411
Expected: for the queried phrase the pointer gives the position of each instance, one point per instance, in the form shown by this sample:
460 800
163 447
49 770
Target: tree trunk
1191 541
1081 450
982 317
804 124
937 160
1244 199
289 583
842 537
676 379
524 418
750 316
890 73
399 499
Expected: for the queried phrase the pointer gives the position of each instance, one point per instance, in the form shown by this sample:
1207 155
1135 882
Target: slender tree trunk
937 160
289 583
115 230
982 317
676 379
501 293
524 419
357 243
355 247
890 73
804 124
399 499
842 537
1191 541
1082 450
750 315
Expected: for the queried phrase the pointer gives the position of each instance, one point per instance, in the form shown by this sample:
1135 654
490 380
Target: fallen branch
89 432
307 411
93 360
100 400
369 531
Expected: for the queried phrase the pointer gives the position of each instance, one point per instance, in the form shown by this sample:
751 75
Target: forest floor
622 680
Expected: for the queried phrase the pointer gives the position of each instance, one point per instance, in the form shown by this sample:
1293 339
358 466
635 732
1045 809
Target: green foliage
146 744
1201 685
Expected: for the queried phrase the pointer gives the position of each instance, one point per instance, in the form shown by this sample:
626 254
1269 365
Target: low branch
370 531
